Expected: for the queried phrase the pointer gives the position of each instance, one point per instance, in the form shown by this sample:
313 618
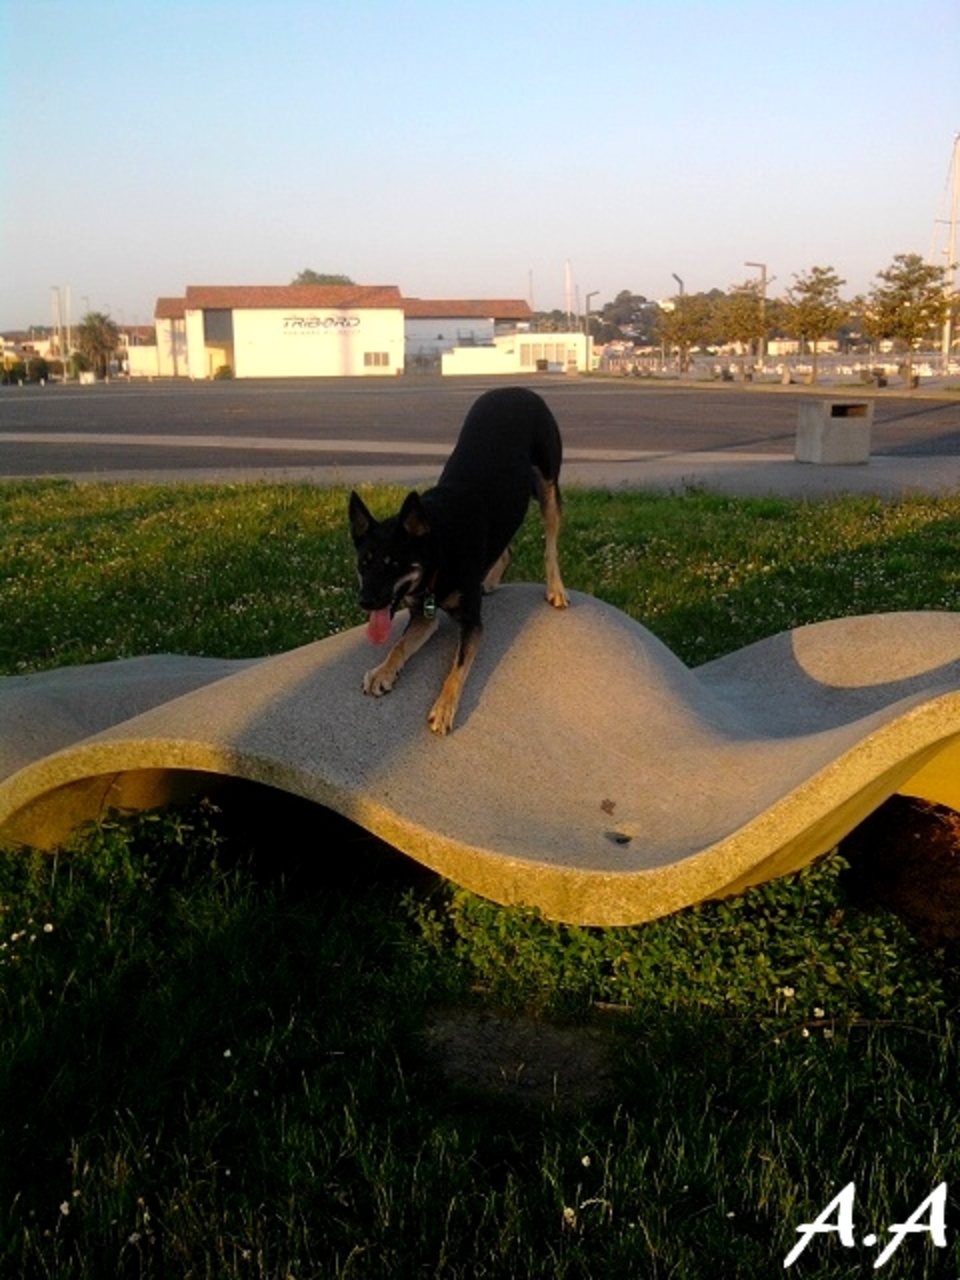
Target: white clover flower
818 1013
585 1161
569 1217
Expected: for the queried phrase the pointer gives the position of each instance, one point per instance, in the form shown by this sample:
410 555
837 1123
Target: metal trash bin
836 432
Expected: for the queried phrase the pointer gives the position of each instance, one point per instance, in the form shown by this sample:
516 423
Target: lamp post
762 344
679 282
586 329
69 336
58 326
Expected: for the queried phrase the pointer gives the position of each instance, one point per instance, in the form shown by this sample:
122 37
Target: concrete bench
592 774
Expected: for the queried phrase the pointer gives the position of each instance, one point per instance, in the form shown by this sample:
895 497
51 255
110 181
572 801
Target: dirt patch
523 1059
906 856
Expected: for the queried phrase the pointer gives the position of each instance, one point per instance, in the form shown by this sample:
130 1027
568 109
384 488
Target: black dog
447 546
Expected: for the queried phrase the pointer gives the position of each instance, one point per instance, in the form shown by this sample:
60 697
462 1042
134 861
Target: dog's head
392 554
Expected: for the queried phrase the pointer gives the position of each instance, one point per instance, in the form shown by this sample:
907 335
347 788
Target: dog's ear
361 521
413 518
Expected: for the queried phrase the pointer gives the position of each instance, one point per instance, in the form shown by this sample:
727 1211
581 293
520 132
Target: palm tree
97 338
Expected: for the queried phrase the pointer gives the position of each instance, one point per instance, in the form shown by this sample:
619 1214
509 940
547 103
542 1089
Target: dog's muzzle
404 587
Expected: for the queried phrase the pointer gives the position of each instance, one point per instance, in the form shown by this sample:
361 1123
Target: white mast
951 251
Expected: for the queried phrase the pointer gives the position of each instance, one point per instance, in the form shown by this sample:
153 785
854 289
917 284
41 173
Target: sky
467 149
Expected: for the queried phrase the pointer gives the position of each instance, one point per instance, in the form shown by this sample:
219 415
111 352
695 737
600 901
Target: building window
217 327
376 359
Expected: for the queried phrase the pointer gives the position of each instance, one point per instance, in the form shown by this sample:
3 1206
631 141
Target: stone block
836 432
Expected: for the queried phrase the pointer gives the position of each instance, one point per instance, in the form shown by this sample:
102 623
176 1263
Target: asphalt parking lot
403 428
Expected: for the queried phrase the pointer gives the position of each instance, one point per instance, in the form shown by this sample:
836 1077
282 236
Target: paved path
739 475
736 440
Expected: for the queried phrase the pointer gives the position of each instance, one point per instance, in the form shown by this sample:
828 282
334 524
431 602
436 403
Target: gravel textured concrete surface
591 773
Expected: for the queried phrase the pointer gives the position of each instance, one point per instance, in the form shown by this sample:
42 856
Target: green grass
212 1060
97 572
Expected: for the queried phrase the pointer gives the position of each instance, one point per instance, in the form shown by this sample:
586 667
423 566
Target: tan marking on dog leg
548 494
496 572
444 710
380 680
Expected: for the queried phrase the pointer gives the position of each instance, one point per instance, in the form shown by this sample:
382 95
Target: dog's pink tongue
378 626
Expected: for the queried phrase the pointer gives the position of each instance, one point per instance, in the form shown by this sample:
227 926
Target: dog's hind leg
548 495
496 571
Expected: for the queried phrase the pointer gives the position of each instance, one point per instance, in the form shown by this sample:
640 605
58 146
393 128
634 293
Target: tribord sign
301 325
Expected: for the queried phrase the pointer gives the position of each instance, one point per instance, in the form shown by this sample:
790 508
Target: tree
319 277
626 314
629 317
555 321
813 309
97 339
685 325
740 317
909 304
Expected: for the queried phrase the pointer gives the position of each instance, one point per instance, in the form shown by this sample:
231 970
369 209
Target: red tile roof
169 309
336 297
473 308
283 297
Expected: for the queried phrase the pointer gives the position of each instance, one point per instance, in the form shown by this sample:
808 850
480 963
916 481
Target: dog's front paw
379 680
441 715
557 596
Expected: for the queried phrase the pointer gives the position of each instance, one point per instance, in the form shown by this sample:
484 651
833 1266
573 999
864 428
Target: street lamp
586 311
762 268
55 303
586 328
679 282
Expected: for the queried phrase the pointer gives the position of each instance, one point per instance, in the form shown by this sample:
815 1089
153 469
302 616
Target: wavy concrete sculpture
591 774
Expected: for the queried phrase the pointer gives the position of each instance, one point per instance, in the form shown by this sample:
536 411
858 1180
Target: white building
171 338
290 331
281 331
432 327
521 353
